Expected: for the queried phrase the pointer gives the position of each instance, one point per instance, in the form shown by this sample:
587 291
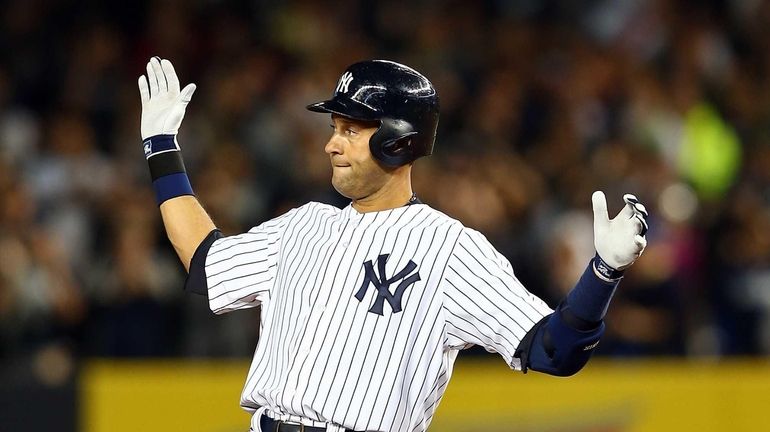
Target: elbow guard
554 347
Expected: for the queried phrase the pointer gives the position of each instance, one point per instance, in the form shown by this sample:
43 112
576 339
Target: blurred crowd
543 102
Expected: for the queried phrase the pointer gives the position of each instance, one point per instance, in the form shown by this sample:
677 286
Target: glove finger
144 90
644 227
630 198
152 79
187 93
161 76
171 77
631 202
599 202
640 208
641 242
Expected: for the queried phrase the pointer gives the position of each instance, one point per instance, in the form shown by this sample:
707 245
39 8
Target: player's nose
333 146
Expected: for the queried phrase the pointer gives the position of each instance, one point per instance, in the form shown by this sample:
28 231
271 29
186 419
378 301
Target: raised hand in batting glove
163 105
619 241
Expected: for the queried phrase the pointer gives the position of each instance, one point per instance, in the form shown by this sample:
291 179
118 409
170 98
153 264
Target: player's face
355 173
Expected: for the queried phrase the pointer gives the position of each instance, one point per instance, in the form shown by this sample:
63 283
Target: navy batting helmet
400 98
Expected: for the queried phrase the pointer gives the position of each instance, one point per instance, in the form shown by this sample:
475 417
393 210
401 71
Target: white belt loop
255 419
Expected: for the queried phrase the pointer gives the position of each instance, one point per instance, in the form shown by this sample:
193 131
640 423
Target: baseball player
365 309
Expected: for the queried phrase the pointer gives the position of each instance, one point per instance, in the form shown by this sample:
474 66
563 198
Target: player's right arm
234 272
187 225
163 107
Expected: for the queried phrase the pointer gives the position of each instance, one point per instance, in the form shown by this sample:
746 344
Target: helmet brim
346 108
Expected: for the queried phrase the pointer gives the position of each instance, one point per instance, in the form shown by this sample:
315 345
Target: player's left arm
561 343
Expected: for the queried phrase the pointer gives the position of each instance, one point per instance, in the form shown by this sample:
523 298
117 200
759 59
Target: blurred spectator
40 299
134 287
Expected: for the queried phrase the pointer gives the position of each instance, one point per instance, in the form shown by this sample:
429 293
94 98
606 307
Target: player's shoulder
294 214
436 217
466 238
316 207
438 214
465 233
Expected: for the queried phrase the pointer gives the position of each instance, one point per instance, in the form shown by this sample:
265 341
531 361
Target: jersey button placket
349 231
309 318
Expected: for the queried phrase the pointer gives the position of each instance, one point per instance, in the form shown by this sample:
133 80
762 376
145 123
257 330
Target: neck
392 195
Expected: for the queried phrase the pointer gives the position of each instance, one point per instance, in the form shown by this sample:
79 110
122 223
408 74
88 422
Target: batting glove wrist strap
604 271
159 144
163 156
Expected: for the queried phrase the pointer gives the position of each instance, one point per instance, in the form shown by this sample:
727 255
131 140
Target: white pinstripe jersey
363 314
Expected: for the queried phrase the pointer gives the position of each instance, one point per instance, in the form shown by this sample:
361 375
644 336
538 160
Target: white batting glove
619 241
163 105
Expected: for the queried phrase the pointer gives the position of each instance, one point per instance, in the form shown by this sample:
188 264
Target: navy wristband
171 186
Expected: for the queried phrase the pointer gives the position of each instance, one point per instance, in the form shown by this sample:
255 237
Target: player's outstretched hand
163 105
619 241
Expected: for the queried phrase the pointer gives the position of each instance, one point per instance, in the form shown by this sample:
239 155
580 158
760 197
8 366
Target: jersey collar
350 213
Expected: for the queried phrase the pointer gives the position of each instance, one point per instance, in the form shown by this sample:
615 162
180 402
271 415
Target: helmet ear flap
392 143
397 147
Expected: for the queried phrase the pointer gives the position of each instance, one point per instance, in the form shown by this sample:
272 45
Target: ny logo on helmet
382 284
345 80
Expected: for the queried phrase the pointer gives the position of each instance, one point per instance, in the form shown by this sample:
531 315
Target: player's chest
381 271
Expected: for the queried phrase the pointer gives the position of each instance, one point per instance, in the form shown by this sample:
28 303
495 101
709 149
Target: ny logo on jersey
345 80
382 284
